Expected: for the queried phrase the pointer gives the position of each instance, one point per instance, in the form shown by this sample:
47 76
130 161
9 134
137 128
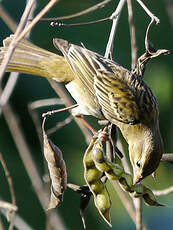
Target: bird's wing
117 99
78 59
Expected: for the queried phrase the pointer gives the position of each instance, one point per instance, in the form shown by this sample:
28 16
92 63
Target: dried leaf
57 171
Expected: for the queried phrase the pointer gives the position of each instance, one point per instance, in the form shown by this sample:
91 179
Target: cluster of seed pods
96 165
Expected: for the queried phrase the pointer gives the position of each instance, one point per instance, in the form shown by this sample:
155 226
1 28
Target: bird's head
145 154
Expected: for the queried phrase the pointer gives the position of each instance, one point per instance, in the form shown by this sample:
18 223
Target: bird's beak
137 178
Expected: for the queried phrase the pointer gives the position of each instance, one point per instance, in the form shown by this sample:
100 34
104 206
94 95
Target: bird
104 89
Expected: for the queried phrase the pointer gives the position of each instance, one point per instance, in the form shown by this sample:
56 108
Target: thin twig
19 223
152 16
138 208
115 16
8 206
35 116
45 102
59 125
13 43
167 157
36 19
132 35
11 188
51 112
169 8
1 225
7 19
7 91
10 85
80 23
163 192
81 13
9 179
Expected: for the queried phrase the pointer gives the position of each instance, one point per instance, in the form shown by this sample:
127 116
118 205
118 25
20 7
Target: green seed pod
92 175
146 193
112 171
93 179
138 190
97 187
149 198
126 182
102 202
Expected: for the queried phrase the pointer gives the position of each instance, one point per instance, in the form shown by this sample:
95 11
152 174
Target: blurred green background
159 75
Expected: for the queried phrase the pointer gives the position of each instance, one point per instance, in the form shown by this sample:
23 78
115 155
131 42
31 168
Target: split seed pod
97 187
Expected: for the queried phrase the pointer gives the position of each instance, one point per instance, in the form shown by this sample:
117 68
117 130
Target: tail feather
31 59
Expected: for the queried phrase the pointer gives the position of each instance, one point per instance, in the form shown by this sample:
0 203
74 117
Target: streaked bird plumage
122 98
104 89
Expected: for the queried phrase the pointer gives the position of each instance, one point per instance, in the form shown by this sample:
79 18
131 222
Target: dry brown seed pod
57 171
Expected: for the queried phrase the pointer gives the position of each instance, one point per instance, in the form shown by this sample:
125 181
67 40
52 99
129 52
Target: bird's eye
138 163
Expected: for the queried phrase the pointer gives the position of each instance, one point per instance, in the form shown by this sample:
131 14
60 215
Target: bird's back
120 95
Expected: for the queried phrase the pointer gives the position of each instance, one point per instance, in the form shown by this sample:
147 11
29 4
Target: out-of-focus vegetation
159 75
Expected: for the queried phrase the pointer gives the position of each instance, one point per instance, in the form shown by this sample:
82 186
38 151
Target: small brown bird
104 89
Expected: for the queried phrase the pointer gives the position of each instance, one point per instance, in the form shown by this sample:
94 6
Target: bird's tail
30 59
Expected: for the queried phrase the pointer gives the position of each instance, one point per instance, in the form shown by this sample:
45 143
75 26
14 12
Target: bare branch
59 125
169 8
163 192
12 45
6 205
19 223
115 16
7 19
10 85
152 16
167 157
9 179
132 35
81 13
45 102
138 208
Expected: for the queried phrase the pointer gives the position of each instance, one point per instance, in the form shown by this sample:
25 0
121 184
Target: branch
19 223
163 192
7 19
9 179
115 16
132 35
150 14
167 157
169 8
10 85
12 45
138 207
81 13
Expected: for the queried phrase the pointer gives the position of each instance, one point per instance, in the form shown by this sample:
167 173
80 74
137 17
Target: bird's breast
87 101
